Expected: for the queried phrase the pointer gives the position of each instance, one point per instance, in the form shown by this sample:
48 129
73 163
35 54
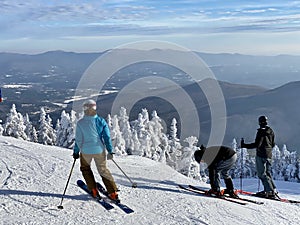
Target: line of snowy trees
21 127
144 137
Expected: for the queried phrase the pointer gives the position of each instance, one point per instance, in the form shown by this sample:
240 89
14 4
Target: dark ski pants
87 173
263 167
223 168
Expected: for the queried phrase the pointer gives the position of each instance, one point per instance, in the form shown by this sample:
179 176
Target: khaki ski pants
87 173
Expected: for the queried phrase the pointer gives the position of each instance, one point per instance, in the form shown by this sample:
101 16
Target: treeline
145 137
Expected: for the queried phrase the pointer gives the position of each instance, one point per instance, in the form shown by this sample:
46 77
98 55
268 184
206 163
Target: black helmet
263 120
198 155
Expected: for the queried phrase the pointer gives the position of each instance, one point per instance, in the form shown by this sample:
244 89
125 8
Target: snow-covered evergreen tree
145 141
277 164
30 130
126 130
59 132
156 133
65 130
234 144
14 125
165 149
72 129
1 128
145 115
141 124
294 169
117 138
187 165
285 153
46 132
175 146
244 163
141 127
136 144
285 158
109 121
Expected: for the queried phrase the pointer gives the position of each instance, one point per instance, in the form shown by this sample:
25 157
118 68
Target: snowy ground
33 177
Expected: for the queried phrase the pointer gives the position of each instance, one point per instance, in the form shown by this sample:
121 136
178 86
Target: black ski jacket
214 154
264 142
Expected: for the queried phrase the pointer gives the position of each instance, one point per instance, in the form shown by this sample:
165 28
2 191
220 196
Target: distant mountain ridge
53 76
244 104
266 71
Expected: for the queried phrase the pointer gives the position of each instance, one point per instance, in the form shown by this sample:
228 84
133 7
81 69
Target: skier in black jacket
220 159
264 143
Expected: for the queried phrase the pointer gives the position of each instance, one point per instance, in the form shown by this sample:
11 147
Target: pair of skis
104 201
275 199
240 201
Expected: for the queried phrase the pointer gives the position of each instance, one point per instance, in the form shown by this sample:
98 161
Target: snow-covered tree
187 165
175 146
126 130
30 130
136 145
117 138
1 128
244 164
294 169
141 127
145 115
277 164
14 125
285 153
165 149
65 130
46 132
108 120
286 160
156 133
234 144
141 124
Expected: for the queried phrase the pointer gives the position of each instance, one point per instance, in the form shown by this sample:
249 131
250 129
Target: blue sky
247 27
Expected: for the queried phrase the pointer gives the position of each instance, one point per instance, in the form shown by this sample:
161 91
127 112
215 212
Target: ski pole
134 185
242 168
60 206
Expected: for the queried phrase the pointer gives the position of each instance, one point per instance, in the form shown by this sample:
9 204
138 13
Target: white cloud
56 20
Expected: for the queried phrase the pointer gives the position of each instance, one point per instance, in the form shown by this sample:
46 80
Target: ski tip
80 182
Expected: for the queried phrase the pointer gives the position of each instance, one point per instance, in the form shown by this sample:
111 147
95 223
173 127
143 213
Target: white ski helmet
89 104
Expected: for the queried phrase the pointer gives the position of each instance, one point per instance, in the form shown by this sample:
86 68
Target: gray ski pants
263 167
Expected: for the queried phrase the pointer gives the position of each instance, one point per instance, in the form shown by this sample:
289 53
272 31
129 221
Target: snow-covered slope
33 177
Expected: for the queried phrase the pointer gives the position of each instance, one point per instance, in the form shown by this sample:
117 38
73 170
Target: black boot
229 188
229 184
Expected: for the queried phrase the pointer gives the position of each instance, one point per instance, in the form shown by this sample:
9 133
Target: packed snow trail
33 178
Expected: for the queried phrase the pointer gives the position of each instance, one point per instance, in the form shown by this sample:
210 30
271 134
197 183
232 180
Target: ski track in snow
33 178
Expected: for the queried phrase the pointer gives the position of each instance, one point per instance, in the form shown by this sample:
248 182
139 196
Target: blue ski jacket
92 136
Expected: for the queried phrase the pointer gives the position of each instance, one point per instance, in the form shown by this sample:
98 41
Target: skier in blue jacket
91 138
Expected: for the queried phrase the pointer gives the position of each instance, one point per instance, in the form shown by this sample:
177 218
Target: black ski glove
243 143
76 155
110 156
